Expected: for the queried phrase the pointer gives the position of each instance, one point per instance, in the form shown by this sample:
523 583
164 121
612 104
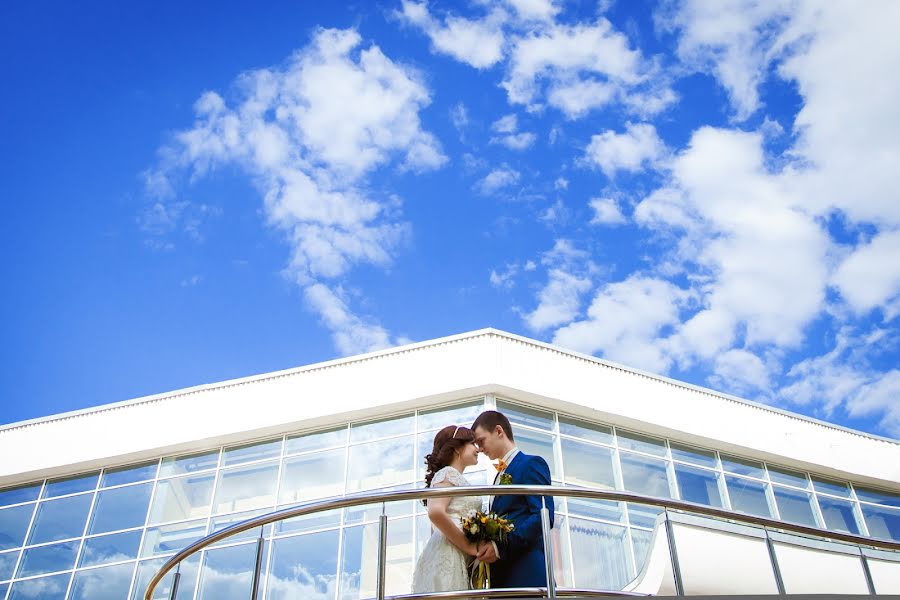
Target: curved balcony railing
669 507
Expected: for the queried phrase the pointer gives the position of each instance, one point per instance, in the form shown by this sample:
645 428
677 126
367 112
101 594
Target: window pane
228 573
795 478
16 495
60 519
877 496
250 452
363 432
794 506
311 522
358 564
461 414
129 474
316 441
381 464
70 485
742 466
836 488
108 583
641 539
191 463
246 488
600 555
220 523
697 456
606 510
110 548
882 522
643 515
121 508
645 475
304 567
186 585
14 525
642 443
748 496
8 564
541 444
838 515
584 430
588 465
424 446
171 538
46 559
312 476
45 588
182 498
522 415
698 485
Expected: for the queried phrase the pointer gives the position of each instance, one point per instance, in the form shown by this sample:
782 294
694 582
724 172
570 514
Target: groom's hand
487 553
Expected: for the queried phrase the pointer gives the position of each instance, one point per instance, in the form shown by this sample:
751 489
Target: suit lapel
511 469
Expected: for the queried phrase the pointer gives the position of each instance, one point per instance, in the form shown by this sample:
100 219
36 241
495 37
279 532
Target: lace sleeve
450 475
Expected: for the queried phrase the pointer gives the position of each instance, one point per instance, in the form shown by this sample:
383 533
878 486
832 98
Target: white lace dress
442 567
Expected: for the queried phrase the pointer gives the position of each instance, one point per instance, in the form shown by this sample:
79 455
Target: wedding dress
442 567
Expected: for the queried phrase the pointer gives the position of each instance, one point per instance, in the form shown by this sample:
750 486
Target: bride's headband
455 431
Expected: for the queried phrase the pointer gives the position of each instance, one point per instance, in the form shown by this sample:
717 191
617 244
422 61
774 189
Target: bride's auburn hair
446 443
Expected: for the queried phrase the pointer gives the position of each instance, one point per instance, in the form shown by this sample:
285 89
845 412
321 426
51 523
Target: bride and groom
516 562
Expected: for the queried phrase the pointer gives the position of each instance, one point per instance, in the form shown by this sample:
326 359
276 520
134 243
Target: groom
519 562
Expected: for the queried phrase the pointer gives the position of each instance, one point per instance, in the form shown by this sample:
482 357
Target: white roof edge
424 344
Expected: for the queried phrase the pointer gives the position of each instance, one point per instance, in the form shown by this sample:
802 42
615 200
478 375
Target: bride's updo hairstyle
447 441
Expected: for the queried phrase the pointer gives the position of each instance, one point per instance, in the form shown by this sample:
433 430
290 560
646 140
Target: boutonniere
505 479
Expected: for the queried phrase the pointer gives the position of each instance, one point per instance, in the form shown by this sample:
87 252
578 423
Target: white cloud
561 183
478 43
535 10
507 126
505 278
569 278
459 116
870 276
309 132
628 151
499 178
606 212
741 371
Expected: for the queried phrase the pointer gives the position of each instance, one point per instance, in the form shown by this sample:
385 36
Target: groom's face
489 442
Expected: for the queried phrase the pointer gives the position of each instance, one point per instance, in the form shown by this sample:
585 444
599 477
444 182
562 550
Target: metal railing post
673 554
865 565
175 579
779 582
548 548
382 552
254 590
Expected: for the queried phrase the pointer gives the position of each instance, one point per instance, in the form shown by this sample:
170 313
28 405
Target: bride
442 566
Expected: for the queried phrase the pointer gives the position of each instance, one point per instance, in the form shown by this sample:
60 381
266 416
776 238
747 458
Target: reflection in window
186 585
182 498
748 496
190 463
877 496
60 519
381 464
70 485
533 442
47 559
523 415
600 554
698 485
304 567
14 525
460 414
645 475
171 538
251 452
372 430
110 548
312 476
8 564
227 573
16 495
697 456
835 488
742 466
643 515
882 522
220 523
838 515
107 583
588 465
606 510
311 522
129 474
794 506
795 478
640 540
318 440
121 508
585 430
641 443
246 488
358 566
43 588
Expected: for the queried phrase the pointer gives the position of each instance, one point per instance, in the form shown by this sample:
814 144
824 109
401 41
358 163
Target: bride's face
469 454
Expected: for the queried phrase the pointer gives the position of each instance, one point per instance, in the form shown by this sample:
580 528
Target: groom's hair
490 419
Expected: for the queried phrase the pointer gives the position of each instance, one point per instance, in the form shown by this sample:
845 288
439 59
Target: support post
175 579
257 568
865 565
779 582
548 549
382 552
673 554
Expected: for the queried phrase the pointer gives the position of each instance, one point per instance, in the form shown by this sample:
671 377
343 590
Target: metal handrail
504 490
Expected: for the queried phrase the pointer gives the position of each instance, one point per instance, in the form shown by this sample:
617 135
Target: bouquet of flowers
484 527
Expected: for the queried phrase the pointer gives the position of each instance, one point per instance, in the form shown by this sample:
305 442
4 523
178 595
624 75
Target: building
92 502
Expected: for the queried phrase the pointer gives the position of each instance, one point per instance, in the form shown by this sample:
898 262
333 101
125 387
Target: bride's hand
472 549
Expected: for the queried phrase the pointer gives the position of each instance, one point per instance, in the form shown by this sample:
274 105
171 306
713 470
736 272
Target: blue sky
197 191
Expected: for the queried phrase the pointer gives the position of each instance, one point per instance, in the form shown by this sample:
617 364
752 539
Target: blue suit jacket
521 561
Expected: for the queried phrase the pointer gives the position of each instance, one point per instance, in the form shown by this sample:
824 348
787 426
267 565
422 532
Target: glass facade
103 534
